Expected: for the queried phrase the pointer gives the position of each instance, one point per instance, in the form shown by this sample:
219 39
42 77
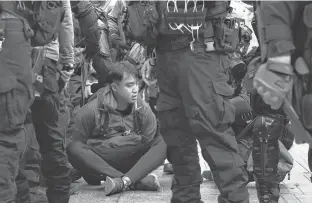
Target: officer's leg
50 128
267 130
32 155
22 184
74 103
205 93
15 100
24 175
182 153
174 127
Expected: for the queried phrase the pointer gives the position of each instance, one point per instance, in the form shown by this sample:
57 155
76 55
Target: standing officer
193 101
285 32
16 94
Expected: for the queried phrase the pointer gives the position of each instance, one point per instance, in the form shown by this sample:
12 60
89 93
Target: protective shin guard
266 133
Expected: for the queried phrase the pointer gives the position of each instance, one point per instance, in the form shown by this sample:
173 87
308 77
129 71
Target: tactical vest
203 21
175 13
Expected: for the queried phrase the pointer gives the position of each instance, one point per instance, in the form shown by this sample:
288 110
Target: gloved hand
88 23
146 72
118 44
274 81
92 38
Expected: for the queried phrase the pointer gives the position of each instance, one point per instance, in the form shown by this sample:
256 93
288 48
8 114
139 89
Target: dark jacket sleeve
277 18
149 127
84 124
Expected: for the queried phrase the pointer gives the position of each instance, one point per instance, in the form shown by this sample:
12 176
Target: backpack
139 21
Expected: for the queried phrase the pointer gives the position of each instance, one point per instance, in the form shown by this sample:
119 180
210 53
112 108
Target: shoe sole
156 181
109 186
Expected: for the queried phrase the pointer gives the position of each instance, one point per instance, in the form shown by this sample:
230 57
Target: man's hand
146 72
274 81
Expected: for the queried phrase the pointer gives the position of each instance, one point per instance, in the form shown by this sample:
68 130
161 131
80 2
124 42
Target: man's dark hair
119 70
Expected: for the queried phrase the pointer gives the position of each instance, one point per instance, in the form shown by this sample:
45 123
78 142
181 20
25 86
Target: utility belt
217 35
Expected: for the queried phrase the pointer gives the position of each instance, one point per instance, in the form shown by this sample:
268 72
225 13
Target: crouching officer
193 102
285 73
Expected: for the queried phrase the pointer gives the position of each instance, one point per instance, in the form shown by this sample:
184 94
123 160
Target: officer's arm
66 36
84 124
87 17
277 18
149 127
113 16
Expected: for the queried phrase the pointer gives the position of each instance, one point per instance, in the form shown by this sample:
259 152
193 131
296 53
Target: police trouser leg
196 81
182 153
32 155
15 99
22 184
266 133
50 127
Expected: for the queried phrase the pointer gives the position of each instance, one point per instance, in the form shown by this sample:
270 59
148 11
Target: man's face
127 89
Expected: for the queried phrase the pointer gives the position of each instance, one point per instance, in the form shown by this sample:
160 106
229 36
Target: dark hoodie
88 122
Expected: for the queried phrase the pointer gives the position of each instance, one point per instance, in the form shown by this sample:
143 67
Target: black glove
118 44
92 46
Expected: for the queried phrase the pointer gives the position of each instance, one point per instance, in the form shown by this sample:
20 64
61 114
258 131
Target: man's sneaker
148 183
113 186
168 168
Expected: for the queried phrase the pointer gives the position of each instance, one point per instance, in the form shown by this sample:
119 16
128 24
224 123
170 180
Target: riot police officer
285 73
193 101
16 94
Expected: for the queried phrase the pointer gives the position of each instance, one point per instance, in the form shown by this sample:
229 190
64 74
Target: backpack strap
104 121
104 115
137 121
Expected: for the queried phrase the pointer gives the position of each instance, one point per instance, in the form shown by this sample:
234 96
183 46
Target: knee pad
266 133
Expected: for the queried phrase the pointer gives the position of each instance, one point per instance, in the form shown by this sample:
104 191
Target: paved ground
296 190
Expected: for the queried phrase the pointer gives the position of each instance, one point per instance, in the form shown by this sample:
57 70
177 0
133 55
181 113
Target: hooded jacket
120 130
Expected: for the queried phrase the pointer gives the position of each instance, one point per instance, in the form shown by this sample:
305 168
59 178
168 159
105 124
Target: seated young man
115 136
